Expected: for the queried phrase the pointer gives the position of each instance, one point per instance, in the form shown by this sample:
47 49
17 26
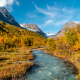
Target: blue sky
49 15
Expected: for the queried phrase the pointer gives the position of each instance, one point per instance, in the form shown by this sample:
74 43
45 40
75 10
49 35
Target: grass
9 68
14 70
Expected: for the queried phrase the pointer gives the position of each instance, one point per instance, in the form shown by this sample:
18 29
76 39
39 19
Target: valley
17 42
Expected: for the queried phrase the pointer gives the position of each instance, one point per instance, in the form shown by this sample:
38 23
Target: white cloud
32 16
4 3
73 4
61 22
44 11
52 8
69 11
76 21
8 4
17 2
48 7
10 9
48 22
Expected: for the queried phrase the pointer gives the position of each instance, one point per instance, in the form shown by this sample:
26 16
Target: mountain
5 16
68 24
33 27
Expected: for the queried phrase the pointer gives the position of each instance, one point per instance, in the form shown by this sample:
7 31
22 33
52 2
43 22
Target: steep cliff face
33 27
5 16
68 24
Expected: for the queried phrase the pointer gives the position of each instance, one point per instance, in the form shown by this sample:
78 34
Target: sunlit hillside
15 45
12 36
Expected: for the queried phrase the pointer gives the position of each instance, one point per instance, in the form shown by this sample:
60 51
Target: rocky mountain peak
5 16
3 8
30 26
69 24
5 12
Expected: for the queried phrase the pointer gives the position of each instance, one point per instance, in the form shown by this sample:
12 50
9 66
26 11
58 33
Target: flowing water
48 68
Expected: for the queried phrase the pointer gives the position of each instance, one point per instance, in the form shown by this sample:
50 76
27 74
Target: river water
48 68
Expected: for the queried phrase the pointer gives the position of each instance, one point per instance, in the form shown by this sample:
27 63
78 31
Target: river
48 68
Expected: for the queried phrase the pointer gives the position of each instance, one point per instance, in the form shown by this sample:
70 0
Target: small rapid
48 68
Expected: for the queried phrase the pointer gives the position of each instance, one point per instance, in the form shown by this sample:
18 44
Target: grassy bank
14 71
69 62
9 67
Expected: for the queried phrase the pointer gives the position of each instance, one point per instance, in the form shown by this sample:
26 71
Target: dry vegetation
9 65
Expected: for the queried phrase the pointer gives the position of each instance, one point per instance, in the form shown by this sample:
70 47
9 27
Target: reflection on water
48 68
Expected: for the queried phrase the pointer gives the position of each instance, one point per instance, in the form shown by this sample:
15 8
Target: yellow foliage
77 43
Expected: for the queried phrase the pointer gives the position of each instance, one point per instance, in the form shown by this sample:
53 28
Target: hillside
12 32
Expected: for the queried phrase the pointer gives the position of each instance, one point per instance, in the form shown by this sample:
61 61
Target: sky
48 15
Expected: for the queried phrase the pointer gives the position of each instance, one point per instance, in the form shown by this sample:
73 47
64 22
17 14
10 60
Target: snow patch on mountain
3 15
50 34
28 28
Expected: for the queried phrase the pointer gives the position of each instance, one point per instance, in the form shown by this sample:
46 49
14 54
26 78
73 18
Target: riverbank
68 63
10 68
36 49
14 63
